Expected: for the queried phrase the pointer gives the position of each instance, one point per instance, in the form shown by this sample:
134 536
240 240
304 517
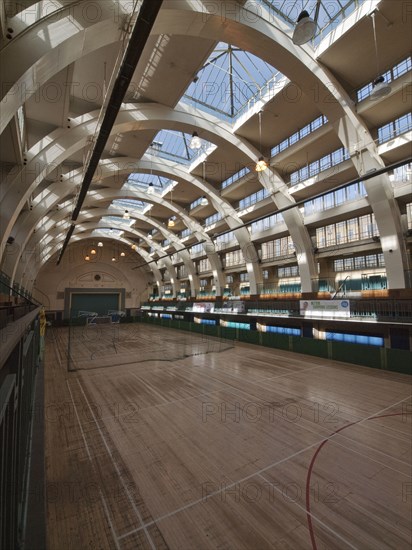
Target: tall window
234 258
204 265
277 248
347 231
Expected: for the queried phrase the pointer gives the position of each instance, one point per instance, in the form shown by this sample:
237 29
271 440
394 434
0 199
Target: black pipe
167 255
66 242
365 177
301 202
140 34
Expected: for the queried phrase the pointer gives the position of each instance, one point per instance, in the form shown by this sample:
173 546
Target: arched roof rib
272 43
34 265
95 214
153 116
107 195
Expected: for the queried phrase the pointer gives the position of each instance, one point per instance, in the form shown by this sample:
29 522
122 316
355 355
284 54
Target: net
99 342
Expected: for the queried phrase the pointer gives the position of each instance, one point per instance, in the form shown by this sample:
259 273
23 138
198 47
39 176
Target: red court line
312 463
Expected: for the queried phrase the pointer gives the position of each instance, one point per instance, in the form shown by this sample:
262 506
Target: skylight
108 232
143 181
174 145
331 13
131 204
228 80
231 80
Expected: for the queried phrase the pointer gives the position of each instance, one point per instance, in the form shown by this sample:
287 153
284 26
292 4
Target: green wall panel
310 346
100 303
228 333
357 353
370 356
399 360
251 336
272 340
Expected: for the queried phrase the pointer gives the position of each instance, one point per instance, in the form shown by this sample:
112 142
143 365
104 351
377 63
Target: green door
99 303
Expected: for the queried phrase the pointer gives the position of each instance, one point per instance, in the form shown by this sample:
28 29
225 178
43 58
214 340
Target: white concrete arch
95 214
122 166
272 43
27 240
144 116
55 41
198 230
90 224
269 39
42 208
34 266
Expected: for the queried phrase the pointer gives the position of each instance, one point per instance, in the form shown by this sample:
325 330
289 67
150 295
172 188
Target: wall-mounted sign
330 309
203 307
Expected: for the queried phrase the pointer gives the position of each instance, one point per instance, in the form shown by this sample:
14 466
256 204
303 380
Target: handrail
11 335
32 300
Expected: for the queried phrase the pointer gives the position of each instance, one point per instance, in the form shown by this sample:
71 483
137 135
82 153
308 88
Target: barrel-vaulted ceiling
228 71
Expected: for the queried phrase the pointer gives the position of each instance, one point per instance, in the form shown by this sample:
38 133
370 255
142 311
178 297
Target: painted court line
324 525
246 478
315 456
217 492
306 427
114 535
126 489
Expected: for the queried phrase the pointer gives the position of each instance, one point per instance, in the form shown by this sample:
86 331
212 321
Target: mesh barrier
102 341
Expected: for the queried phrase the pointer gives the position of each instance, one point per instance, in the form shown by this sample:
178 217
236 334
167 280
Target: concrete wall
97 273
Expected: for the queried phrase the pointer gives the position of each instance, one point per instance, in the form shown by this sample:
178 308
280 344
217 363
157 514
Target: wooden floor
239 448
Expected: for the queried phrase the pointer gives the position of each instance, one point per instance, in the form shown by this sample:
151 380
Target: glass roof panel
113 219
109 232
228 80
132 204
330 13
175 145
143 180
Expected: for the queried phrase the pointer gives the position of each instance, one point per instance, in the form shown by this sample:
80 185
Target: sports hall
205 274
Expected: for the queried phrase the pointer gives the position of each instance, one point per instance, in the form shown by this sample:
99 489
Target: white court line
114 535
257 383
348 413
151 390
216 380
381 520
303 422
324 525
246 478
307 428
217 492
136 510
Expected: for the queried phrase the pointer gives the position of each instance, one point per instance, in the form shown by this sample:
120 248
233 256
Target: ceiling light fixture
93 251
195 142
204 201
170 222
380 88
122 254
261 164
87 258
126 215
100 244
305 29
113 259
150 189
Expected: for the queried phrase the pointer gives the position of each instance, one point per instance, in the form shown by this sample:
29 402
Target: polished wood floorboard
225 447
